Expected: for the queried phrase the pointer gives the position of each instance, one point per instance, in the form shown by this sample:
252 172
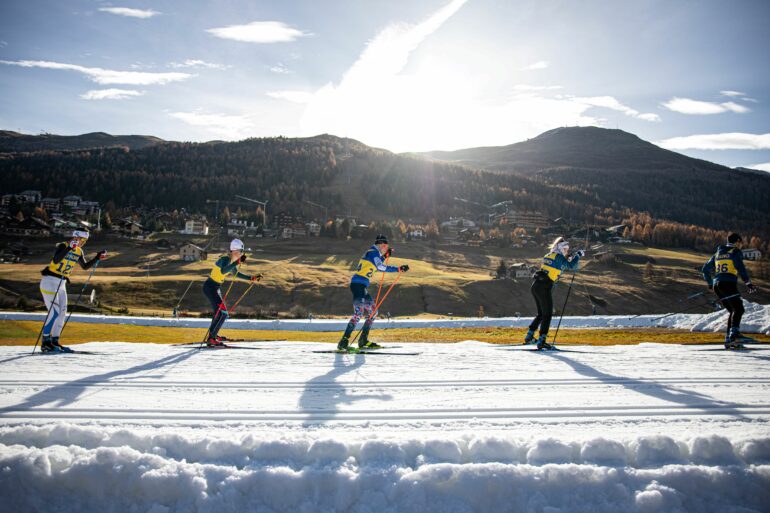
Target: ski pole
722 299
48 313
184 294
77 301
382 279
377 306
232 308
569 289
691 296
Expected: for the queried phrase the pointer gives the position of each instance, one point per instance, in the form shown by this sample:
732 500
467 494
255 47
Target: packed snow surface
467 427
755 320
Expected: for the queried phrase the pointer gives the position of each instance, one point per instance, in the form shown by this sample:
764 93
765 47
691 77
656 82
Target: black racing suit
542 291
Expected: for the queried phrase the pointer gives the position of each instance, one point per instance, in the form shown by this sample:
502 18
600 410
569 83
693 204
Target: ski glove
256 277
102 254
243 258
404 268
581 253
752 288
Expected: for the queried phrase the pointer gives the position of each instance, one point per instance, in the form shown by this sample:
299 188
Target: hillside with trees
584 175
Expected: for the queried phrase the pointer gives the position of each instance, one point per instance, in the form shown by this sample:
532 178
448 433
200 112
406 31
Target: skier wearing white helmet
53 286
225 265
556 261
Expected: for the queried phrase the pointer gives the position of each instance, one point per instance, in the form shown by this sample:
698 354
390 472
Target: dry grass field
311 276
25 332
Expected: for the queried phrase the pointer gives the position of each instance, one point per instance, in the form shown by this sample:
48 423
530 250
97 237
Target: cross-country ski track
458 427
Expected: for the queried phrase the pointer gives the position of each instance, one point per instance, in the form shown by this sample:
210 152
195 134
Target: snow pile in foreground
63 467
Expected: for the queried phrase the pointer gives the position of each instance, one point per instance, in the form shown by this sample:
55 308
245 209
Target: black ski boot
59 347
529 338
343 343
542 344
47 345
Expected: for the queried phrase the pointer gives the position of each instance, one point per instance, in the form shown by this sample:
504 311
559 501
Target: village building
192 253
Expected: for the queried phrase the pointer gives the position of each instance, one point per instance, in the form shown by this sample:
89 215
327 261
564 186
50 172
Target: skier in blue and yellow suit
363 304
224 266
556 261
721 274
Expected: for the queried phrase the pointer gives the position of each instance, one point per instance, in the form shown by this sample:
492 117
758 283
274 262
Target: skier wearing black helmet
721 273
363 304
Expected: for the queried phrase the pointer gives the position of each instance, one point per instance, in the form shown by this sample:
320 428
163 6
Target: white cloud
225 125
732 94
527 87
536 65
726 141
131 13
259 32
197 63
111 94
280 69
292 96
697 107
106 76
610 102
765 166
392 99
762 167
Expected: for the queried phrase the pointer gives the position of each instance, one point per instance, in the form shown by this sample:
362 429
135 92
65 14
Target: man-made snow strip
459 428
69 468
755 320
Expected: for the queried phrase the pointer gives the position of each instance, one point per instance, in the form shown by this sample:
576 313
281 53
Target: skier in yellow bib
556 261
53 286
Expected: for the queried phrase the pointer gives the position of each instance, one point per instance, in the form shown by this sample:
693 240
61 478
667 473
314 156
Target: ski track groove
381 384
388 415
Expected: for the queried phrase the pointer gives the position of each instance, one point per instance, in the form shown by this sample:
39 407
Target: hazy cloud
131 13
292 96
106 76
697 107
610 102
259 32
536 65
225 125
762 167
111 94
527 87
197 63
280 69
732 94
726 141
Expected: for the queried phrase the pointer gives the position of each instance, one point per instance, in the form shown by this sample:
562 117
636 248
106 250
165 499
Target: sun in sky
404 76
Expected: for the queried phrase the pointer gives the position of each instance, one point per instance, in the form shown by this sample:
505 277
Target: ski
367 352
71 351
225 346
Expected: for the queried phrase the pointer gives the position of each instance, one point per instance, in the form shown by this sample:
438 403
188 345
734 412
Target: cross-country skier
363 304
225 265
721 273
53 286
556 261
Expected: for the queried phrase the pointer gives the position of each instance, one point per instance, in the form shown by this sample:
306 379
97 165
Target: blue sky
692 76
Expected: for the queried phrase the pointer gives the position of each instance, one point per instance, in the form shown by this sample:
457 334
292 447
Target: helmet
381 239
236 245
80 234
